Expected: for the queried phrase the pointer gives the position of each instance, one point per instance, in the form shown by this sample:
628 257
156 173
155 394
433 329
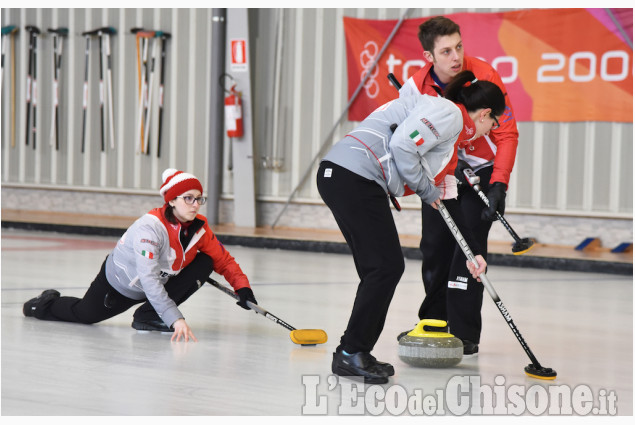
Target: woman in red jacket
161 260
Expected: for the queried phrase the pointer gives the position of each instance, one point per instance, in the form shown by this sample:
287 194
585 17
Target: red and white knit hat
177 182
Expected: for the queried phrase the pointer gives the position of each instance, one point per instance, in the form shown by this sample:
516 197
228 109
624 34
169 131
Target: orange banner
560 65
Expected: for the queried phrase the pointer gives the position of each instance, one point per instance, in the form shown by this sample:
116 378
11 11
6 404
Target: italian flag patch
417 138
147 254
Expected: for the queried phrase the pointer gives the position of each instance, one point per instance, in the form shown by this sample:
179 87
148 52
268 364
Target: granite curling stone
423 348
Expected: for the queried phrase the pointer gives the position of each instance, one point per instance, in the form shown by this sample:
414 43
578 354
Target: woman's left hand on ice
181 329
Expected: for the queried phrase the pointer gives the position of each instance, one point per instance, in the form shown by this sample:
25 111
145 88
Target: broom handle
251 305
454 229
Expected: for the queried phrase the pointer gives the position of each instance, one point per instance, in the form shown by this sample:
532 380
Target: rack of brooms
151 83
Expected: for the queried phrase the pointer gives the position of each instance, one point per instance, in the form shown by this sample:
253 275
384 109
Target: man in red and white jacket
452 294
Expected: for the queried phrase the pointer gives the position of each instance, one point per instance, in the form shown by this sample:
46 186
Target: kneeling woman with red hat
161 260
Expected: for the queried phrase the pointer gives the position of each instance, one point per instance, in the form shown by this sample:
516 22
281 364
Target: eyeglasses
188 199
496 123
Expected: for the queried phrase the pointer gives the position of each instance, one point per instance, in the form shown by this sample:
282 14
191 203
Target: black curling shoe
404 333
34 306
151 325
469 347
358 364
386 368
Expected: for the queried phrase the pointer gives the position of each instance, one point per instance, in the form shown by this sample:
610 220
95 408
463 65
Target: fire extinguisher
233 113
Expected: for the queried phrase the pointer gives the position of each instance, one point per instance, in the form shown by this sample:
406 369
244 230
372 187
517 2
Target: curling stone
430 349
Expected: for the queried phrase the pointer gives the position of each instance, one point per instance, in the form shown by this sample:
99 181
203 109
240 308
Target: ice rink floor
579 324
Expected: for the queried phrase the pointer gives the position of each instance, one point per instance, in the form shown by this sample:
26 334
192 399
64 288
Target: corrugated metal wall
299 90
186 99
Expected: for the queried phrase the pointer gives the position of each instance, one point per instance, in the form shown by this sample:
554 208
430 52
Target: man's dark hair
436 27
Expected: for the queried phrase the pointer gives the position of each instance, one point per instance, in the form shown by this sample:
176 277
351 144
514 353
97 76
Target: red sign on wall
238 55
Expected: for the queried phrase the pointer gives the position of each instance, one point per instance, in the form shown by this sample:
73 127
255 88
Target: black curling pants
452 294
102 301
362 212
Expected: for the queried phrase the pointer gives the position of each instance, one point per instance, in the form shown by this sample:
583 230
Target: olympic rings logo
366 59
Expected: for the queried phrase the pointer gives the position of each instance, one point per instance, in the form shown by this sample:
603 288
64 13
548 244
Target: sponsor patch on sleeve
148 241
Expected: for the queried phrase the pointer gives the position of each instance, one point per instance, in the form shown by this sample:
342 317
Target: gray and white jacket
420 152
150 252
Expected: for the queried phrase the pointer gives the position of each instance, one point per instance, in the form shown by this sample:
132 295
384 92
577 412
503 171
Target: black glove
245 294
496 196
458 173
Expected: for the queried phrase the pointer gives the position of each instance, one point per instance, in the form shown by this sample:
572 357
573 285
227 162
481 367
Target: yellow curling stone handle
420 332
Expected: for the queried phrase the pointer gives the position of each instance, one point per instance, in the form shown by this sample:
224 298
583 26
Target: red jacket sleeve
224 263
506 140
506 136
